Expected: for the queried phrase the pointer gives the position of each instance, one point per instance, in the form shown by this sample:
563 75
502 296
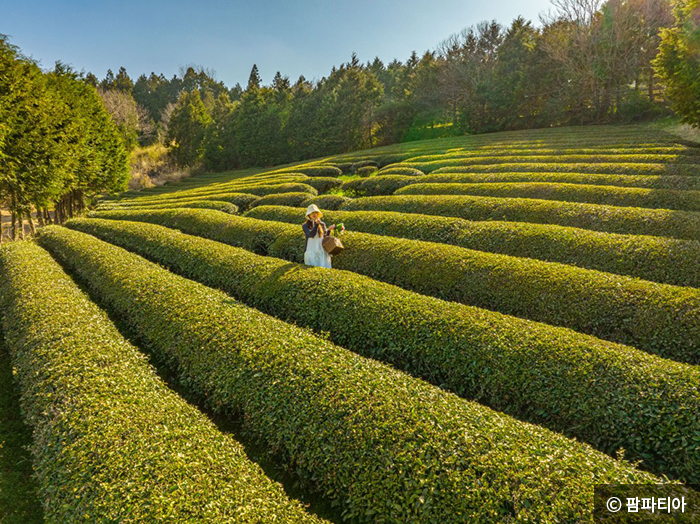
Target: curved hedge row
657 318
625 220
19 492
648 181
324 184
365 171
659 259
608 395
406 171
672 153
320 171
217 205
591 158
111 441
241 200
448 166
378 185
283 199
294 187
324 202
385 446
606 195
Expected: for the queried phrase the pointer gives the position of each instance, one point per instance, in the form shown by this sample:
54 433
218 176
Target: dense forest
585 62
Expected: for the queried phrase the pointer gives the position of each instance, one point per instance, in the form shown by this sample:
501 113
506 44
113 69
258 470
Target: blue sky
295 37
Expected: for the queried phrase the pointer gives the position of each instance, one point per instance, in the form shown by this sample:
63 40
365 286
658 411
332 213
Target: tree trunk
31 223
40 216
1 227
47 216
651 85
13 227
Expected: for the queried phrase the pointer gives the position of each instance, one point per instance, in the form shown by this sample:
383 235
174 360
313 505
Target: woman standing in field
315 230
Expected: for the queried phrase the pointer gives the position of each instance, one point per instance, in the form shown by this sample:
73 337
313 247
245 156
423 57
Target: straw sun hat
313 208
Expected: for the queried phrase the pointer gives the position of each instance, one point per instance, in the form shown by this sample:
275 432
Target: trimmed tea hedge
355 168
625 220
590 158
659 259
607 195
283 199
378 185
606 394
324 202
241 200
385 446
19 500
648 181
448 166
111 441
657 318
406 171
217 205
320 171
264 190
324 184
366 171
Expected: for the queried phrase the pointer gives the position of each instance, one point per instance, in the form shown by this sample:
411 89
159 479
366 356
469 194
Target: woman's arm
310 232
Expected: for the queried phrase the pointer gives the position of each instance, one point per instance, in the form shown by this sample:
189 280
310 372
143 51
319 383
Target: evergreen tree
187 128
678 61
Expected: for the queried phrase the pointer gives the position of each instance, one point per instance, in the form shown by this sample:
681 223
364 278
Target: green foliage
111 440
449 165
187 127
364 163
324 184
615 196
218 205
365 171
377 185
319 171
647 181
656 318
628 221
325 202
383 445
19 500
659 259
283 199
273 189
611 396
56 139
677 63
396 170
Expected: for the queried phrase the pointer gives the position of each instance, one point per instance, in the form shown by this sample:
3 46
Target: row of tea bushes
468 159
657 318
659 259
242 201
451 166
283 199
591 194
608 395
646 181
658 153
377 185
383 445
217 205
323 202
611 219
111 441
19 501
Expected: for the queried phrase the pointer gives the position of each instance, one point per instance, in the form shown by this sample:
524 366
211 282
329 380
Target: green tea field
514 320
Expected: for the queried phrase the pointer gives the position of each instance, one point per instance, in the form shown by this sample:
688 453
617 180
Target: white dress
315 255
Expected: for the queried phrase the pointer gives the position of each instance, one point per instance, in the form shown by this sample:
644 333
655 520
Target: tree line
58 144
588 62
